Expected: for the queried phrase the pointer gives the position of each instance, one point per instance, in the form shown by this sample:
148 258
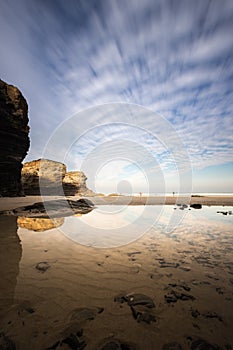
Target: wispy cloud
175 58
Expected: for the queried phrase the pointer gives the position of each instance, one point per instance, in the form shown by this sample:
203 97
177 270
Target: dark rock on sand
195 313
74 342
209 314
181 285
133 253
6 343
140 305
142 314
201 344
174 296
14 139
25 308
165 264
225 212
86 313
135 299
42 266
73 339
53 209
115 344
172 346
196 206
140 299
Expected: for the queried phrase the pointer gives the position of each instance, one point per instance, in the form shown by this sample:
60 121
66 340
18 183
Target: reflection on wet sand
37 224
10 255
163 291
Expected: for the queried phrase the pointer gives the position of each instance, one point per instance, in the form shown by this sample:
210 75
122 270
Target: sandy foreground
163 291
8 203
182 280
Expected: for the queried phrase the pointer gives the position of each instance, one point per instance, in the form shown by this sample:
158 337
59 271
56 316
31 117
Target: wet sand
8 203
188 275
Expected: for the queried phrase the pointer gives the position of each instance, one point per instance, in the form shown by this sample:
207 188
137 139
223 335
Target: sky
138 94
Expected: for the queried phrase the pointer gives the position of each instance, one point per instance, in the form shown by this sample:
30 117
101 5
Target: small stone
85 313
115 344
168 264
196 206
142 314
174 296
201 344
140 299
74 342
42 266
134 253
195 313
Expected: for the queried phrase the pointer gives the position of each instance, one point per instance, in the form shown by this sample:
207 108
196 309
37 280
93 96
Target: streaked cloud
174 57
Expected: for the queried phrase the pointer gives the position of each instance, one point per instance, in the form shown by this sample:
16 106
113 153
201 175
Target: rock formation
74 183
14 139
43 176
48 177
58 208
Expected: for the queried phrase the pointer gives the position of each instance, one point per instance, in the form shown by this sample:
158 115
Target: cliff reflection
10 255
39 224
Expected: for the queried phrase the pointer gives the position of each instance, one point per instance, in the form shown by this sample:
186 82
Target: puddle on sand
51 287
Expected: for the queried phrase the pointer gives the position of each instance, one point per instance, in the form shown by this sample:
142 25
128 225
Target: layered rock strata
14 139
48 177
43 176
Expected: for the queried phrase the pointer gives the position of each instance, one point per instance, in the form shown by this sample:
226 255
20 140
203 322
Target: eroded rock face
48 177
14 139
74 183
43 176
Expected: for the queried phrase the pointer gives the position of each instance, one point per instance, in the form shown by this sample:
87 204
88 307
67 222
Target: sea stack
74 183
14 139
43 176
47 177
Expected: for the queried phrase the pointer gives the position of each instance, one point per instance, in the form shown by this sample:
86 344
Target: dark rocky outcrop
53 209
14 139
43 176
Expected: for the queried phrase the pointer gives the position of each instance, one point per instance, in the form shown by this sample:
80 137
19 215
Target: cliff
43 174
14 139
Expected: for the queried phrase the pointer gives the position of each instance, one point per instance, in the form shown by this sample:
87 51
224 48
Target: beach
166 290
9 203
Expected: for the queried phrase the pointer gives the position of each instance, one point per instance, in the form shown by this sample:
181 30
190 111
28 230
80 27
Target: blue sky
173 57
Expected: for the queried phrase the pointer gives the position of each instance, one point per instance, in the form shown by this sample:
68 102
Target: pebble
42 266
